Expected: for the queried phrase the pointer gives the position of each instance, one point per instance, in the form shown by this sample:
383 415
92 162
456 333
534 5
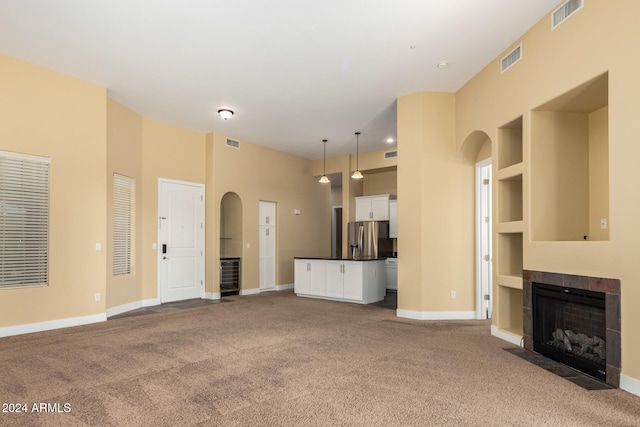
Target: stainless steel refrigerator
370 239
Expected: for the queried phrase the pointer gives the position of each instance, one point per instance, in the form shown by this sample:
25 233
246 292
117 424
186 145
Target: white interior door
483 253
181 240
267 243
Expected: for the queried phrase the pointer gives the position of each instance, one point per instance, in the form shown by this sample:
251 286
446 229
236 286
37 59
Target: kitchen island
360 281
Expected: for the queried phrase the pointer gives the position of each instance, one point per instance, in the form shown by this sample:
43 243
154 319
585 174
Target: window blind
24 220
123 225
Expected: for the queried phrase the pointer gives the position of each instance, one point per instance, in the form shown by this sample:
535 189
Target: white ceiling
294 71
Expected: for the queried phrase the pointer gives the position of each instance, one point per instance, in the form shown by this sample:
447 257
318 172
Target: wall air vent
232 143
511 58
565 10
390 154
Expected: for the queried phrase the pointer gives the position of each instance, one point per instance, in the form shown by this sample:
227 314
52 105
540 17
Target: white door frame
159 239
483 267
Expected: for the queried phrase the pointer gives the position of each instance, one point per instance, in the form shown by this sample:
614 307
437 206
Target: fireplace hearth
574 320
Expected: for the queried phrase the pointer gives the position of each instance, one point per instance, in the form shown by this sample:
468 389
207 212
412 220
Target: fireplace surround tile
611 289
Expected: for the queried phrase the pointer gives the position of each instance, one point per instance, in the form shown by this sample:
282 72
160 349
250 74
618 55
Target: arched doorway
230 244
477 150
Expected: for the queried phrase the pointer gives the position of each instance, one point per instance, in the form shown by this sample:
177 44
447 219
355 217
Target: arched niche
476 147
230 226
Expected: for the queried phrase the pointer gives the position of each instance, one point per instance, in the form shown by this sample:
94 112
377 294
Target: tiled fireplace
574 320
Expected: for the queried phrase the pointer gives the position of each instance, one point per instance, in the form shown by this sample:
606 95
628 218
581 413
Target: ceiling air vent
233 143
511 58
565 10
390 154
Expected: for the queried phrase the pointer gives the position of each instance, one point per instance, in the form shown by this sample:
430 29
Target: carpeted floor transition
276 359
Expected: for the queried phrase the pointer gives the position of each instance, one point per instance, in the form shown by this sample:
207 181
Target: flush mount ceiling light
324 179
225 113
357 174
442 65
390 140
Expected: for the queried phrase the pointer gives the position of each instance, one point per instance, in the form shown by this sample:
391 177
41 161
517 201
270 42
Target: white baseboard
629 384
284 287
512 338
249 291
51 324
113 311
212 295
436 315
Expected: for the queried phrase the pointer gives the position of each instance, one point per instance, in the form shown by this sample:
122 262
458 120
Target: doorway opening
230 244
483 240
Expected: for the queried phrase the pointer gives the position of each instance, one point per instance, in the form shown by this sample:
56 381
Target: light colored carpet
276 359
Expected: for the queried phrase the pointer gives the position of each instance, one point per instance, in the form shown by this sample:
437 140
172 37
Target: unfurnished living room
319 213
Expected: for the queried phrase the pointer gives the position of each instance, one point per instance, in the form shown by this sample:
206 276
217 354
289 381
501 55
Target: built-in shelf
510 311
510 144
509 254
514 282
510 227
510 199
570 165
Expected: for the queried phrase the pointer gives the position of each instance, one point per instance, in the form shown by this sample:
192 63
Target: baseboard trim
114 311
212 295
284 287
629 384
436 315
513 339
249 291
51 324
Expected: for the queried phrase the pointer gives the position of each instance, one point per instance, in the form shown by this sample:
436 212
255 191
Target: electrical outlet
453 295
97 296
603 223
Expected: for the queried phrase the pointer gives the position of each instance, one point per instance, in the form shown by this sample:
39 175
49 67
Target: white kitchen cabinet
361 282
393 219
309 277
267 212
373 208
344 279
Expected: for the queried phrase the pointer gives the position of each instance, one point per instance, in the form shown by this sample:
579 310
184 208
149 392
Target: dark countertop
328 258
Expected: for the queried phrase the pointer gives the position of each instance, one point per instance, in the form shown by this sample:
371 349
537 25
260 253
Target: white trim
478 255
629 384
51 324
114 311
202 236
436 315
249 291
512 338
212 295
284 287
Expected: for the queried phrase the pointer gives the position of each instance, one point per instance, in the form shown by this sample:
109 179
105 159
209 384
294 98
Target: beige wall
124 156
257 173
436 187
597 39
48 114
168 152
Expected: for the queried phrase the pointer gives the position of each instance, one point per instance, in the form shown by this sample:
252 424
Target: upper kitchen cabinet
267 213
373 208
393 219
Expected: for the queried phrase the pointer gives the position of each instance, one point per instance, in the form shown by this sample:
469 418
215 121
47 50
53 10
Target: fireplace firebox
569 326
574 320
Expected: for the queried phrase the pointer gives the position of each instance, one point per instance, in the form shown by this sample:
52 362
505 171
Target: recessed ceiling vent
232 143
390 154
565 10
511 58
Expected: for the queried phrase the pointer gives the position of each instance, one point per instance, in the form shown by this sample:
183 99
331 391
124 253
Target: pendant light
357 174
324 179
